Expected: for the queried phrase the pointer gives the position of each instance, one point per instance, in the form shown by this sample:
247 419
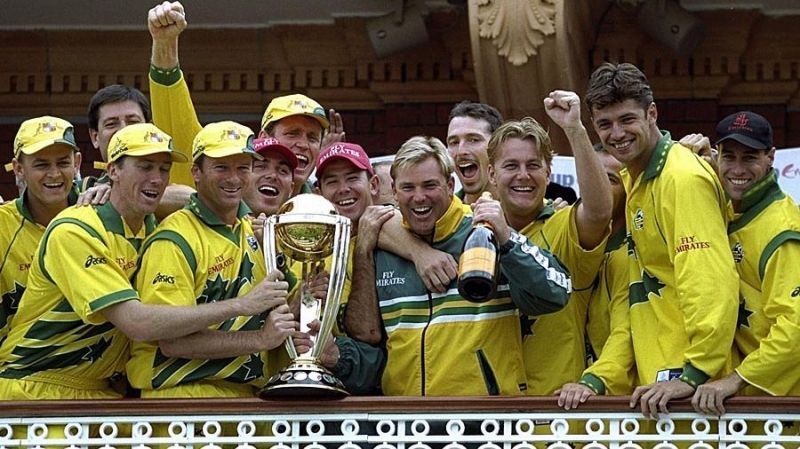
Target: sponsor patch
690 243
251 240
163 278
91 261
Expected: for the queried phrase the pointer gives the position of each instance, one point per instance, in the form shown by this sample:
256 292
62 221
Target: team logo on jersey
251 240
91 261
638 220
738 252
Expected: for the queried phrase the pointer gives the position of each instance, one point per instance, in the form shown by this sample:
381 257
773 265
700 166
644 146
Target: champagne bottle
477 267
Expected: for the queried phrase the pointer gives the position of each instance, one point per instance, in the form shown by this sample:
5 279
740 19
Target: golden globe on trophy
307 229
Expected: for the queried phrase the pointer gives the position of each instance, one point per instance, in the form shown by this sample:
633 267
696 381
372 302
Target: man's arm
538 282
357 364
612 372
175 197
362 316
772 367
436 268
150 322
593 213
210 344
173 111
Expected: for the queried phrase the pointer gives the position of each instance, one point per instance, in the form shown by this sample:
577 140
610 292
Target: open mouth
346 202
152 194
231 189
738 181
54 185
468 169
302 161
421 212
268 191
522 189
622 146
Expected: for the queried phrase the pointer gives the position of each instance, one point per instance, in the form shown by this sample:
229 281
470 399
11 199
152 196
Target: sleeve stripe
43 246
772 246
177 239
112 298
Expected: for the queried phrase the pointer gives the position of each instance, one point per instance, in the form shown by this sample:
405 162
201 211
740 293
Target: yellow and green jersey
194 258
765 241
683 283
608 323
19 237
440 344
83 265
173 113
548 368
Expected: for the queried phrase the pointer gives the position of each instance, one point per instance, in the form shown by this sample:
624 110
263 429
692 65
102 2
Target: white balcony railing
393 423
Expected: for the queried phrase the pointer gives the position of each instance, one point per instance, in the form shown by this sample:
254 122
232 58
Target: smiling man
764 238
70 334
441 344
297 121
521 155
683 290
46 158
207 253
468 133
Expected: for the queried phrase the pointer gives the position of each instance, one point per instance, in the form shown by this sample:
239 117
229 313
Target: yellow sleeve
773 366
165 273
614 368
74 257
566 246
173 113
706 282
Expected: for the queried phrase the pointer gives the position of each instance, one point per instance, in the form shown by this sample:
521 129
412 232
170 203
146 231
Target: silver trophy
307 229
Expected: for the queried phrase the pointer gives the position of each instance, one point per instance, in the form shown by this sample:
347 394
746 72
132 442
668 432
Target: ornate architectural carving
516 27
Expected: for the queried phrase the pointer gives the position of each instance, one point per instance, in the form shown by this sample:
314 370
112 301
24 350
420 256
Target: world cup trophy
307 229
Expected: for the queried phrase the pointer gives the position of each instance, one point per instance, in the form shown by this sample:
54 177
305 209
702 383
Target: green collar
199 208
460 194
659 157
757 198
448 223
24 210
616 240
113 221
544 213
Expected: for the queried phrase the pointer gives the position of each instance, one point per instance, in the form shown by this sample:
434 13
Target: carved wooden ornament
516 27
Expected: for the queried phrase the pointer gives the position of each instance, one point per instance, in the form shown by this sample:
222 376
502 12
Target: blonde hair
419 148
525 129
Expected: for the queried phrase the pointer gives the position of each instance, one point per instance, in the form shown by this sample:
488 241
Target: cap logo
740 122
154 137
300 103
46 127
120 147
231 134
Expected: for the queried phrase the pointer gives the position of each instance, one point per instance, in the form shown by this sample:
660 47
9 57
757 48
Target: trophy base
303 379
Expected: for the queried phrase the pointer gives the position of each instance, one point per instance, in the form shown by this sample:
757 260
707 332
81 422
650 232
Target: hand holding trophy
307 229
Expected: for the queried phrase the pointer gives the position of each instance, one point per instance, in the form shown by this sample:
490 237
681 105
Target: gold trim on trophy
307 229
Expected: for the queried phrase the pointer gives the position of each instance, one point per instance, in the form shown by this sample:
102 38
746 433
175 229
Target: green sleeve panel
360 366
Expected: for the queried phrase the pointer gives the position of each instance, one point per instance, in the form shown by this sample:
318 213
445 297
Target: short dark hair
480 111
116 93
615 83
